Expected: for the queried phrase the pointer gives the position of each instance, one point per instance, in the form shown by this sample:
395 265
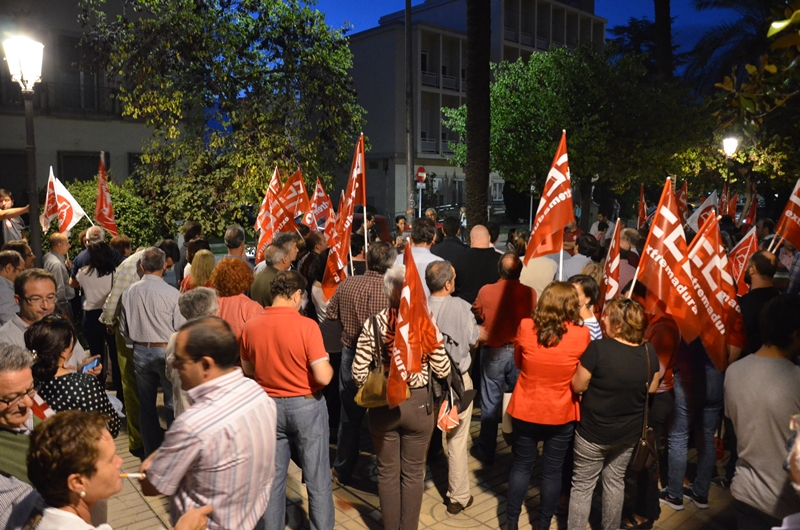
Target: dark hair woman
52 339
543 406
615 381
95 279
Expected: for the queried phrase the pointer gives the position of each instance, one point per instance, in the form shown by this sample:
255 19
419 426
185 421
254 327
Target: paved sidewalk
358 507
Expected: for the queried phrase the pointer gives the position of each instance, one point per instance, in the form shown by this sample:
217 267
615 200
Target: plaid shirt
357 299
126 275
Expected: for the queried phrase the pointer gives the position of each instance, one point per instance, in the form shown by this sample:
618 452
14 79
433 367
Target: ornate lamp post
24 57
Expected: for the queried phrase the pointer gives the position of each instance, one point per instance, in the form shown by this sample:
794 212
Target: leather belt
151 344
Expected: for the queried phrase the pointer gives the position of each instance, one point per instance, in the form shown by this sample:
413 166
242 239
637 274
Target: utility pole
409 114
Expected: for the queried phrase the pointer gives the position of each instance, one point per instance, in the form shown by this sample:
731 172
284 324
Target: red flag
750 219
681 199
278 220
660 266
416 333
642 218
295 196
335 269
319 207
273 190
732 206
709 206
789 221
555 208
103 210
611 269
705 263
739 256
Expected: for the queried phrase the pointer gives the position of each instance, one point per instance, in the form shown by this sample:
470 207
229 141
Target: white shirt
55 519
422 257
95 289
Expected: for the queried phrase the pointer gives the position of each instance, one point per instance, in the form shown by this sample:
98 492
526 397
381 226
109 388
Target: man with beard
758 275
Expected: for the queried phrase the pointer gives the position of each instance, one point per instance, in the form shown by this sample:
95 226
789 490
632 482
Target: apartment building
439 27
76 116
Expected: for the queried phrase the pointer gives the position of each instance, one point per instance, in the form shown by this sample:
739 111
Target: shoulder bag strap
378 342
646 390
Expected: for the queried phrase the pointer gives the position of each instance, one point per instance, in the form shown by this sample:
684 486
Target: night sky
688 26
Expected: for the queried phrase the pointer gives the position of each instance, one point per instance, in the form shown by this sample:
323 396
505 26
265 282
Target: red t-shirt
282 345
572 237
500 307
543 393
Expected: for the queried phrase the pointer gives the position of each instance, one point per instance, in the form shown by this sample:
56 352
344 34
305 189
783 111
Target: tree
477 122
622 127
638 37
663 38
230 89
731 44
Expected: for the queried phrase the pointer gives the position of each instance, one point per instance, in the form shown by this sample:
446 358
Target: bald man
56 263
477 266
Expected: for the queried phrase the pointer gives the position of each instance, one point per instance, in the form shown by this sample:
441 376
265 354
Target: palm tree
478 126
731 44
663 38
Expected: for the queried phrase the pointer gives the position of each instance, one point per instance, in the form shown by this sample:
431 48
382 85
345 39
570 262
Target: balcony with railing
526 39
87 99
427 145
449 81
510 34
430 79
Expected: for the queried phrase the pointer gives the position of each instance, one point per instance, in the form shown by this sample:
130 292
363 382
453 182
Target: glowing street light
24 58
730 145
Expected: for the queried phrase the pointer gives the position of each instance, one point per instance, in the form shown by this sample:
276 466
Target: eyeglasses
180 361
14 400
38 300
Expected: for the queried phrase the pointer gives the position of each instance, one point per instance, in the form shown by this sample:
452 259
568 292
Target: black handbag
645 452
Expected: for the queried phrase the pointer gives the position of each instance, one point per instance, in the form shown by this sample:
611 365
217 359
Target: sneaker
721 481
700 502
456 507
664 498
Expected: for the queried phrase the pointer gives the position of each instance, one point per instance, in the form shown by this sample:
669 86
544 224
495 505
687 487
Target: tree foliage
622 127
230 89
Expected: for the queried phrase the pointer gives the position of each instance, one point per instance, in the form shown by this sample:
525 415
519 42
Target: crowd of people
258 368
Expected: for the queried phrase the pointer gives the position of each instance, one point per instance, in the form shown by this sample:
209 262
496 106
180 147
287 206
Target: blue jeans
302 423
498 376
150 369
699 403
350 420
527 436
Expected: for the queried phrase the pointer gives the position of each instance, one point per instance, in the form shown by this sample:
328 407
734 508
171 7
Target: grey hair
234 236
275 254
437 274
197 303
14 358
631 235
153 259
284 239
95 234
393 283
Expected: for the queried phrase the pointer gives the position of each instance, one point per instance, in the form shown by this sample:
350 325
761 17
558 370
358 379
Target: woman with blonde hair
202 268
614 378
543 406
593 270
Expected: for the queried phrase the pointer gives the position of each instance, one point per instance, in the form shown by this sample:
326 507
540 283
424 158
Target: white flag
59 203
709 207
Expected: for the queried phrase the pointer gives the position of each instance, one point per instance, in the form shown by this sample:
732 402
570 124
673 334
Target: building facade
75 114
439 45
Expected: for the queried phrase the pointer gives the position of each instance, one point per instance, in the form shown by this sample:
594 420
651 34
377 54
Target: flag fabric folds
610 287
335 268
738 257
416 333
294 196
681 199
60 204
660 266
642 211
789 221
555 208
750 218
732 206
320 207
273 190
709 207
103 210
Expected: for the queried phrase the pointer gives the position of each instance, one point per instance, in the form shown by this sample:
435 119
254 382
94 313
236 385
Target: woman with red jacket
543 406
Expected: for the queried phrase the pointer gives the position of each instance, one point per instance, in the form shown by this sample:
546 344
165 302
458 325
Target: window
423 61
77 87
13 174
80 165
497 191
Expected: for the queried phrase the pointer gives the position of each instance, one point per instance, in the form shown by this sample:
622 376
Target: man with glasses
35 293
16 402
21 246
10 266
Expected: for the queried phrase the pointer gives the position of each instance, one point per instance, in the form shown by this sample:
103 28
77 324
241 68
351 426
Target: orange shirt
282 345
543 393
237 310
500 307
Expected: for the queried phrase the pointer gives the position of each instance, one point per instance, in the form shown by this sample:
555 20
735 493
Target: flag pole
778 245
561 264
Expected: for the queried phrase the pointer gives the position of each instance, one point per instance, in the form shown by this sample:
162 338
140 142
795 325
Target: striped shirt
220 451
150 310
126 275
595 332
438 360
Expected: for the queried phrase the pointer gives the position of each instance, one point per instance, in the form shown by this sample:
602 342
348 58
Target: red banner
789 221
750 219
642 211
681 200
273 190
555 210
610 287
416 334
335 269
660 265
103 210
739 256
294 196
319 207
732 206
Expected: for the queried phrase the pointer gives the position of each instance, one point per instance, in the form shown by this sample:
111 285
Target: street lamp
24 58
729 145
